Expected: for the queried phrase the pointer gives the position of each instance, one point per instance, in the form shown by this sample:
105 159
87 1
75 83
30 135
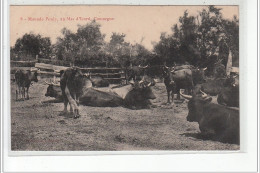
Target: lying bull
89 97
216 121
136 95
212 86
99 81
130 96
229 95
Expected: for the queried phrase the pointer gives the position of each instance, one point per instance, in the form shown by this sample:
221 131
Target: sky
141 24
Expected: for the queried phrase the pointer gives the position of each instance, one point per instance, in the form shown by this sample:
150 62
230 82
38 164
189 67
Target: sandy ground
37 126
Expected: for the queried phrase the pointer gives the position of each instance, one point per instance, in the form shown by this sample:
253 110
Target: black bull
128 96
227 90
216 121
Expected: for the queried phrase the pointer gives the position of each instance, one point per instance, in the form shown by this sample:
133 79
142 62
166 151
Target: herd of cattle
220 119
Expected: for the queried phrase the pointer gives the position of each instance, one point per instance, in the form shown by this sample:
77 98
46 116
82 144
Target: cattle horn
204 95
188 97
141 81
47 83
166 66
143 67
205 68
54 84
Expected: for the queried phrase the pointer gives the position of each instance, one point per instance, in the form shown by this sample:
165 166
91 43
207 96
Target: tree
31 45
200 40
83 47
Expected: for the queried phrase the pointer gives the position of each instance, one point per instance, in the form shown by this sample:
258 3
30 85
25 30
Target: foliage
201 40
31 45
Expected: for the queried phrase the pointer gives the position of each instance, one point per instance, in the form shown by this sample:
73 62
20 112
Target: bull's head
195 105
143 89
165 70
53 90
232 81
33 74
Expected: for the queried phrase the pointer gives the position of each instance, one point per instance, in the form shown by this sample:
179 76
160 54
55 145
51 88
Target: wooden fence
113 75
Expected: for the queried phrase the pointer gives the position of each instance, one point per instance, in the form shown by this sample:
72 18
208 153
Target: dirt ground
37 126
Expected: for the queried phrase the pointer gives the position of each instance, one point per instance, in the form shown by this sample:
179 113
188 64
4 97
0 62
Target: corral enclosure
37 125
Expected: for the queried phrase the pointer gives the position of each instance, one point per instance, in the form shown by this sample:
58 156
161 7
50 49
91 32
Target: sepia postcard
124 78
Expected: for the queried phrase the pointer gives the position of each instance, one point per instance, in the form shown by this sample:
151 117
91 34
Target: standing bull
23 81
217 121
179 79
136 73
169 83
72 82
198 74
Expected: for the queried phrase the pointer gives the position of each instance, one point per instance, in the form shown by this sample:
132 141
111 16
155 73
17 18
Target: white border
244 161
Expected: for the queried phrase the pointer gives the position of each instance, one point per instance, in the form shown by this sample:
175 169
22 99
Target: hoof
76 116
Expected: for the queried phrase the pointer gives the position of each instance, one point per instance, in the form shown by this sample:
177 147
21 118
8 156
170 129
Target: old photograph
124 78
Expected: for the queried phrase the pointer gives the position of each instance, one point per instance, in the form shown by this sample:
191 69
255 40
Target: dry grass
37 126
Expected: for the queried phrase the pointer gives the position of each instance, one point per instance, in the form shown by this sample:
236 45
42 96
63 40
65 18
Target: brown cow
23 79
72 82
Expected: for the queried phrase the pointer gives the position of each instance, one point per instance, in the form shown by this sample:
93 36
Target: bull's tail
72 102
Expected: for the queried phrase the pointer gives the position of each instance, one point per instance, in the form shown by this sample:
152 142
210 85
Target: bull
169 83
72 82
98 81
132 96
136 95
176 80
198 74
23 79
229 95
212 86
216 121
89 97
54 90
136 73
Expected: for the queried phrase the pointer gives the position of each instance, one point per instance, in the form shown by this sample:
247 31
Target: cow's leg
71 108
72 102
178 94
168 94
27 91
23 93
17 91
65 105
76 99
172 93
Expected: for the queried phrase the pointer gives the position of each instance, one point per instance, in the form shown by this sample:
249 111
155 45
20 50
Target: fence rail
114 75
